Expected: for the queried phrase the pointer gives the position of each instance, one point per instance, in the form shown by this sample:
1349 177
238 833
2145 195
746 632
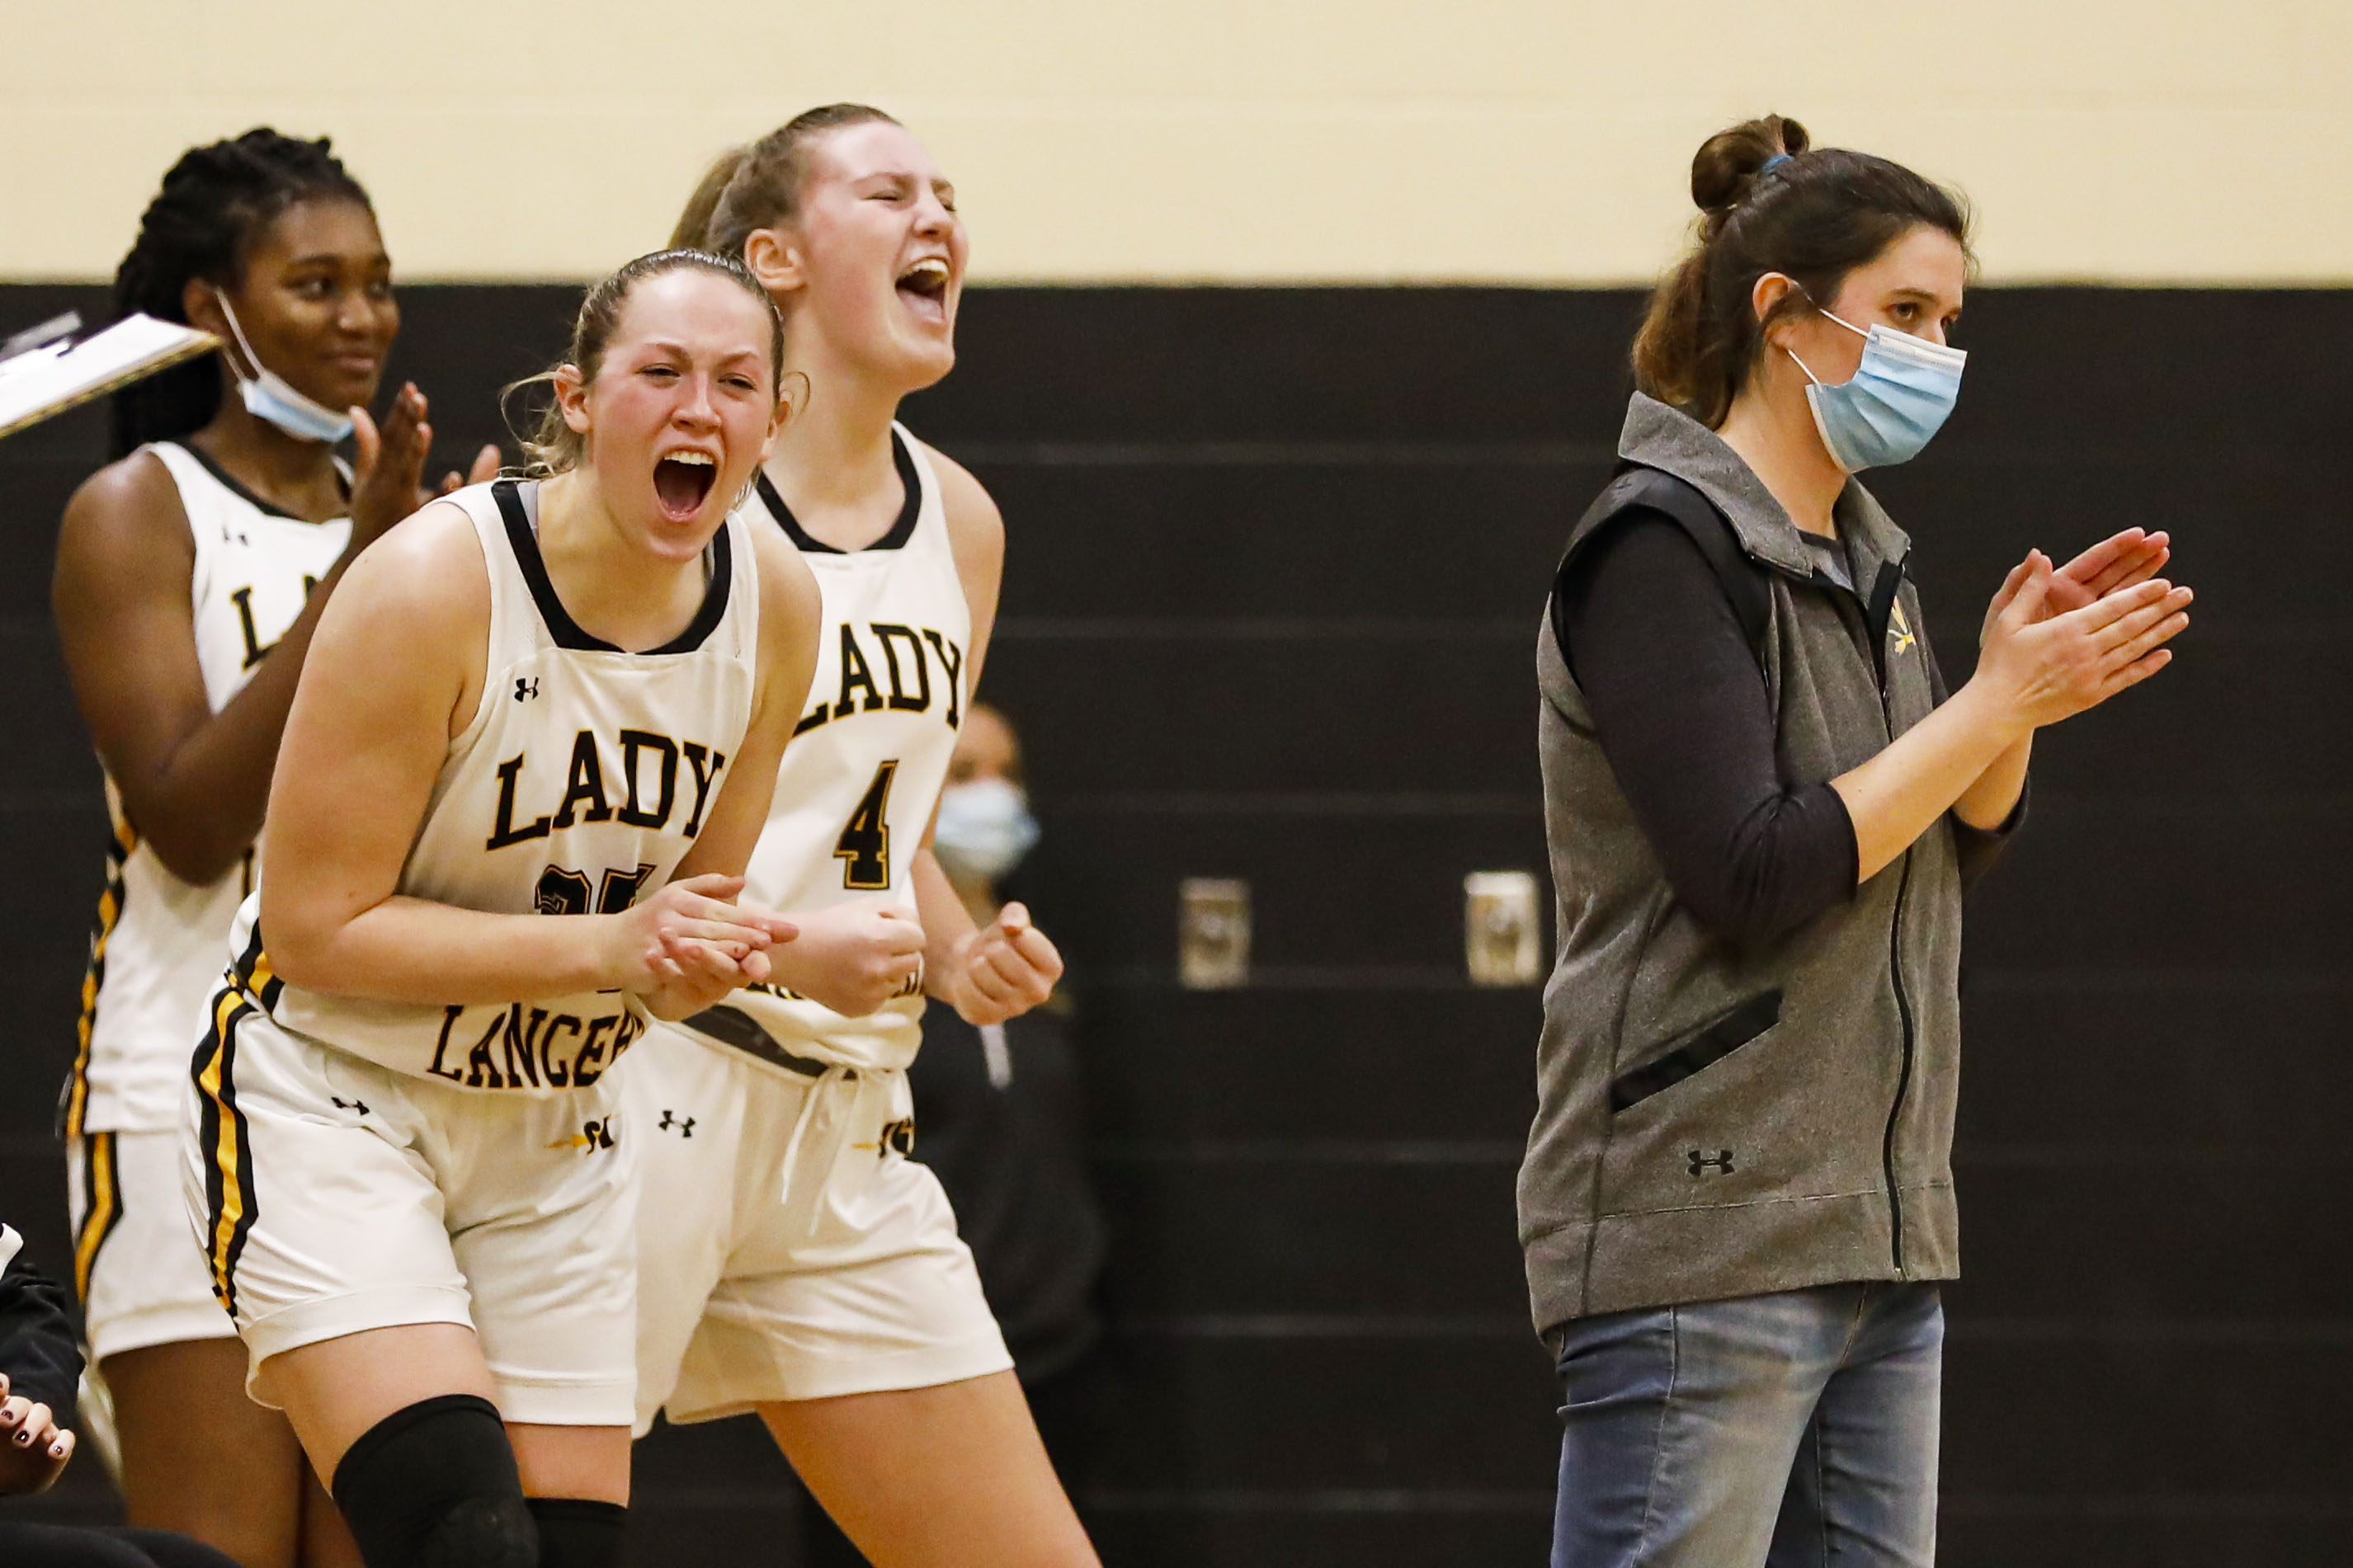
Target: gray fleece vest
1716 1123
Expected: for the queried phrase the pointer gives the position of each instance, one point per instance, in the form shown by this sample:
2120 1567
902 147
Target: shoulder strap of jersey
189 477
744 599
1638 488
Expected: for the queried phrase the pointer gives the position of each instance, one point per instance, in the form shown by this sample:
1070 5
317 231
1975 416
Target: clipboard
43 371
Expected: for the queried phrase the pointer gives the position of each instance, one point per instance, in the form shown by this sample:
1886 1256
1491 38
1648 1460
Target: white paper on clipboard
45 381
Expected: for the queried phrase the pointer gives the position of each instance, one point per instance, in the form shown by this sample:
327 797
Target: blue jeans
1795 1430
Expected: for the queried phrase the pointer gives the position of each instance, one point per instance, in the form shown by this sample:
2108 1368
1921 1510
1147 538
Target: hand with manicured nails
34 1449
690 944
852 957
388 471
2121 561
2041 667
1001 970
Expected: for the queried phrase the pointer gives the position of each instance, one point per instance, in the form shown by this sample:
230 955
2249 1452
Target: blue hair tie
1775 162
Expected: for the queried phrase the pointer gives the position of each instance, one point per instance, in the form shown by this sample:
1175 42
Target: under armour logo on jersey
526 687
682 1125
1702 1161
341 1104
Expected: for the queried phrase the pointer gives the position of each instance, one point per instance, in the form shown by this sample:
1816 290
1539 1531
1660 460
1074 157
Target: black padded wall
1275 566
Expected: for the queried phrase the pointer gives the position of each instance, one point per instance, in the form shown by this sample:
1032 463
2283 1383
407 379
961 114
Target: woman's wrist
1993 713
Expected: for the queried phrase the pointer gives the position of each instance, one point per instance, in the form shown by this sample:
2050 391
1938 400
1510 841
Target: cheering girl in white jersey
190 574
794 1261
556 697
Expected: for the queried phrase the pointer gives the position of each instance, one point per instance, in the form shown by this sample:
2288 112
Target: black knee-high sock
575 1533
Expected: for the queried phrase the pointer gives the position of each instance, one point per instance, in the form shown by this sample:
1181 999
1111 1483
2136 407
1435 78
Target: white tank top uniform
779 1206
155 952
361 1163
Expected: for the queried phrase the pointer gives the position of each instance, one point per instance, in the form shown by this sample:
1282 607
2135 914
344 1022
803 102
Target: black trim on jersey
901 532
561 627
230 483
733 1027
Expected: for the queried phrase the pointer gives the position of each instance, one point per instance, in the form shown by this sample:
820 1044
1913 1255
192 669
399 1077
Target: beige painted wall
1542 142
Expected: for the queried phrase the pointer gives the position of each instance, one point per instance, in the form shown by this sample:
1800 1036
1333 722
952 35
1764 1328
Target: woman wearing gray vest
1762 808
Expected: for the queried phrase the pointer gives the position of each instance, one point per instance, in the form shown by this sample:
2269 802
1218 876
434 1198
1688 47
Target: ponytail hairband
1775 162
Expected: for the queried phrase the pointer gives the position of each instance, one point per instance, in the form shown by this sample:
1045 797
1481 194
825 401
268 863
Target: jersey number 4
864 846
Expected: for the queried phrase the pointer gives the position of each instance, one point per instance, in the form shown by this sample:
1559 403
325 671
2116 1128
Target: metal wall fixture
1213 932
1502 937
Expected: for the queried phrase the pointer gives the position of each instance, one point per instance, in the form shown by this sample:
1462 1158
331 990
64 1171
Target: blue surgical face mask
269 397
985 828
1900 395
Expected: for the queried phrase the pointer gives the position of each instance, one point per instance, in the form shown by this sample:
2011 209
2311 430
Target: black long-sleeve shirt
36 1338
1680 702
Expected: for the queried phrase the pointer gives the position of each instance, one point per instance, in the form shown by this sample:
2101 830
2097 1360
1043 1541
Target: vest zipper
1894 969
1903 1078
1878 641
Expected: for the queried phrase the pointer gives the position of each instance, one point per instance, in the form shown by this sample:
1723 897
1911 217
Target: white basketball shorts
332 1195
138 1267
787 1247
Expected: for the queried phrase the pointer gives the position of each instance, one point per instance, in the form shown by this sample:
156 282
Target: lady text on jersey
580 784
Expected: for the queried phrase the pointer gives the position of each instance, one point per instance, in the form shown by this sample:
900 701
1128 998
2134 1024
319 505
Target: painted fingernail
24 1438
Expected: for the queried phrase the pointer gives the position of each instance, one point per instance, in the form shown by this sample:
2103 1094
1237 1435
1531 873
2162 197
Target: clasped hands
694 942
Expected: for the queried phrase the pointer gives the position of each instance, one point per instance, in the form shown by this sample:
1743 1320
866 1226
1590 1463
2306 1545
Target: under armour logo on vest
526 687
1702 1161
683 1125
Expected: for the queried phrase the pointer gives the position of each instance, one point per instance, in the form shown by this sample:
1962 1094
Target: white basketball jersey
580 784
866 762
156 950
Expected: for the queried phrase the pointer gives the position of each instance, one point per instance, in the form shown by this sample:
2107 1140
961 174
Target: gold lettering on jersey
520 1041
650 781
952 658
586 781
255 649
887 634
696 755
528 1048
632 742
504 832
855 672
858 676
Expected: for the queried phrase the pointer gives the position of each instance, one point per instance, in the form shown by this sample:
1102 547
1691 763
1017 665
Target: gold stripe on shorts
109 915
230 1200
101 1206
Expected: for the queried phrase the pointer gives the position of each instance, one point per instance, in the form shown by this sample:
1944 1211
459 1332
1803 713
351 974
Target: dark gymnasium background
1276 561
